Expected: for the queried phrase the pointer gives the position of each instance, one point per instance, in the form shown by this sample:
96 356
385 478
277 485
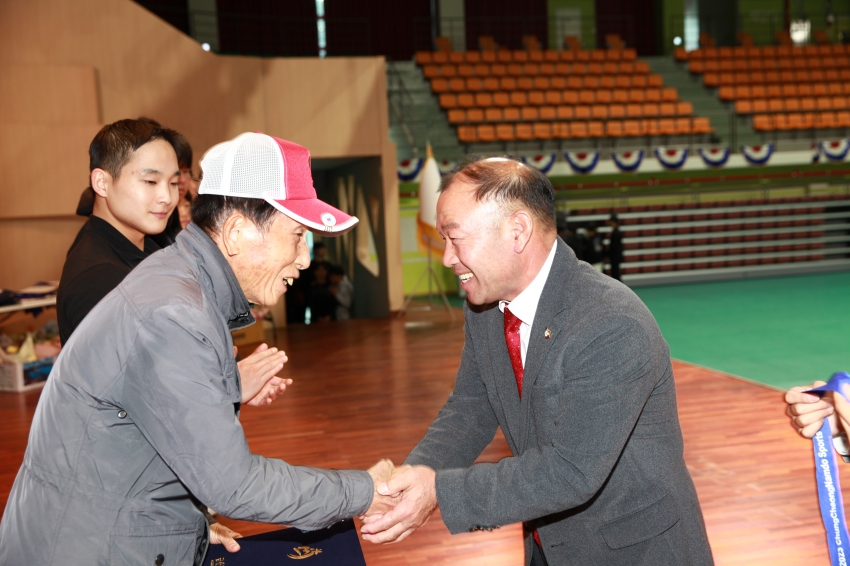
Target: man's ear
233 233
522 227
100 181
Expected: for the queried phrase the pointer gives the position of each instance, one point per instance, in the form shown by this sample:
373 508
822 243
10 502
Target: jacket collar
219 279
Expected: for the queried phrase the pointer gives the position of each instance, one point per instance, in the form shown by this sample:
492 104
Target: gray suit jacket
597 462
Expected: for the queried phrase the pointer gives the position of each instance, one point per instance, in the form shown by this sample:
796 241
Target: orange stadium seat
501 99
483 99
582 113
652 95
586 97
669 95
637 95
651 110
457 84
467 134
493 114
561 130
578 130
743 107
448 101
569 97
439 85
529 114
519 98
423 57
591 82
474 84
548 113
614 129
431 71
842 119
524 132
634 110
525 83
505 132
536 98
639 81
542 131
667 127
475 115
511 114
448 70
632 128
507 83
599 111
616 111
684 108
466 100
487 133
457 116
702 125
667 109
825 120
649 128
596 129
565 112
683 126
553 97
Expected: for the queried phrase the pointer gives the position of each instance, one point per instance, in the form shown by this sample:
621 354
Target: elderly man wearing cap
139 418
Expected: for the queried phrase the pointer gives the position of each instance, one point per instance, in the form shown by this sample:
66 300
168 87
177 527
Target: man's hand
219 534
257 371
807 410
415 488
380 472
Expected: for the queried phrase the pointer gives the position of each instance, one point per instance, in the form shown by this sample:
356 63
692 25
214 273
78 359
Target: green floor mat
781 331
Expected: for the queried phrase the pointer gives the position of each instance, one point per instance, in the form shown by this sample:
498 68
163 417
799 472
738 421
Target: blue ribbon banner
829 488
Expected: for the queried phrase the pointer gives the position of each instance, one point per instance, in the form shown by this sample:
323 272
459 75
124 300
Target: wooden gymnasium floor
368 389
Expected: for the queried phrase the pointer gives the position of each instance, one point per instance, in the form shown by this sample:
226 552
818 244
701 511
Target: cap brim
310 212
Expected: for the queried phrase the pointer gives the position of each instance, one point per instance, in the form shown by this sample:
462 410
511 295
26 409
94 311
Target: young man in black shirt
135 176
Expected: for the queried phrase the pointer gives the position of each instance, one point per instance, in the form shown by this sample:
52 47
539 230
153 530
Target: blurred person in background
342 289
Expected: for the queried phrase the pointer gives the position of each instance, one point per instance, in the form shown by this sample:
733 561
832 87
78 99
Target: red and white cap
255 165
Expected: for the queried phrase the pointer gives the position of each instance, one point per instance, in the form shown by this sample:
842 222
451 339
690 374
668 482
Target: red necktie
512 324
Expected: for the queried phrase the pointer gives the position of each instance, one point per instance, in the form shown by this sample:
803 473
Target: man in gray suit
572 366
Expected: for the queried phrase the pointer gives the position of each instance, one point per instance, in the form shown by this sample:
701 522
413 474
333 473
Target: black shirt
99 259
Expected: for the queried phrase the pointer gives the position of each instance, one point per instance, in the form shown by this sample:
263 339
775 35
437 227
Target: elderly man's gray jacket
140 416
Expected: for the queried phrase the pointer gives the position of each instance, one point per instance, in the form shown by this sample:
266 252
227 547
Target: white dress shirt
524 306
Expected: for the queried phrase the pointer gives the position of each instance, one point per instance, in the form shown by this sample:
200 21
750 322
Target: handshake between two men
404 499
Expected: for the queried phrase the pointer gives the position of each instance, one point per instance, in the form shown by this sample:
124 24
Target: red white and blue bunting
445 166
671 158
757 154
582 162
714 156
628 161
542 163
409 169
835 150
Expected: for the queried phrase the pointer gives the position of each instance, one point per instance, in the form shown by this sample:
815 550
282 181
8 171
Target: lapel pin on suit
547 334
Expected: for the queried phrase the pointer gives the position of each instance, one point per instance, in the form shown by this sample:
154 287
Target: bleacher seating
729 235
782 87
527 95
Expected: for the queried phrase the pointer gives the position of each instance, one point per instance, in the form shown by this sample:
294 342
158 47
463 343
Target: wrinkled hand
807 410
415 488
219 534
380 472
260 386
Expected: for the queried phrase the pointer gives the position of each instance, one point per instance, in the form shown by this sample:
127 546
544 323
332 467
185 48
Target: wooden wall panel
43 168
34 250
142 66
49 94
331 106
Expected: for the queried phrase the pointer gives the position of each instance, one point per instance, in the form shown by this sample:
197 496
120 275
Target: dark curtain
175 12
378 27
506 21
268 27
632 20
